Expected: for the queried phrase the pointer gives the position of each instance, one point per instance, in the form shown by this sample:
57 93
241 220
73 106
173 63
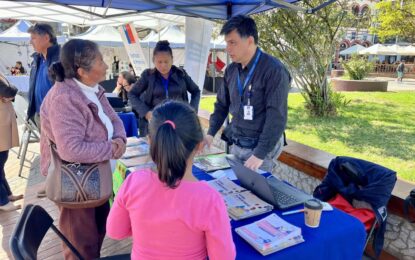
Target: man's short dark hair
243 24
42 29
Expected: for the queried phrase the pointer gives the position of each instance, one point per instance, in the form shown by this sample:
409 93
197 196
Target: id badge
248 113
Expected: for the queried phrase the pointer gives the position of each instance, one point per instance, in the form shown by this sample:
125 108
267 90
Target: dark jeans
5 191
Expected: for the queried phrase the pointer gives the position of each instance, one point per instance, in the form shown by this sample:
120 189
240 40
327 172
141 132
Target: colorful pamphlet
210 163
270 234
136 151
225 186
133 141
245 205
240 202
135 161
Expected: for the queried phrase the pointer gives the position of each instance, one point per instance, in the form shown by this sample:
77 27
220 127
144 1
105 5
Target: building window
353 35
375 39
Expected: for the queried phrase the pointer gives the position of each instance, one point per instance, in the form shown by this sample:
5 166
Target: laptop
117 104
272 190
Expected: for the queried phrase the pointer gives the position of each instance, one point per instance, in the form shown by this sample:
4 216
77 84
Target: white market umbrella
378 49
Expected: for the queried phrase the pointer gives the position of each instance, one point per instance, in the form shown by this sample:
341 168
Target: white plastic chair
30 130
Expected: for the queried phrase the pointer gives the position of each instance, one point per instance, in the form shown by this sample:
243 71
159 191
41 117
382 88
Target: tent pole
229 14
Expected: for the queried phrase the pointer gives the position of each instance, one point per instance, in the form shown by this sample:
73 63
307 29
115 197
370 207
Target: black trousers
5 191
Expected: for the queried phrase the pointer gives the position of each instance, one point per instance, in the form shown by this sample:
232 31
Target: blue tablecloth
339 236
21 82
130 123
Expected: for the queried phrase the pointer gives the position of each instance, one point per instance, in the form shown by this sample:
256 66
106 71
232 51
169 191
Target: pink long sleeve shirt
188 222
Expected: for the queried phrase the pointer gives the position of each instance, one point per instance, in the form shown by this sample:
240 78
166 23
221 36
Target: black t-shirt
401 67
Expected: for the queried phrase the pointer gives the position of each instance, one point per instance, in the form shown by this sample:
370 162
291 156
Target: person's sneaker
41 193
10 207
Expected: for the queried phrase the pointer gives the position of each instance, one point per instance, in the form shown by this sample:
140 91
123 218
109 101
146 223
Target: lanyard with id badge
248 108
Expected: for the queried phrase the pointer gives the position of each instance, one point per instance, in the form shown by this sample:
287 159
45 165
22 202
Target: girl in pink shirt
168 212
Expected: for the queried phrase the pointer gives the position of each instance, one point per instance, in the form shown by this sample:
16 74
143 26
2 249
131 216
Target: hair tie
170 123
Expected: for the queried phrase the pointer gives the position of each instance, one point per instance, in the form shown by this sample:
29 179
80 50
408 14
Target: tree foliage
305 43
358 67
395 18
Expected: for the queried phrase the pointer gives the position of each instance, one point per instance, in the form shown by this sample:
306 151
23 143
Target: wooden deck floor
28 185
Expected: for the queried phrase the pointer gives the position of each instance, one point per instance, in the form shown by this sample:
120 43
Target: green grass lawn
375 126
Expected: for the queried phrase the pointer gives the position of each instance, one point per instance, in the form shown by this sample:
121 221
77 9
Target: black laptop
271 189
117 104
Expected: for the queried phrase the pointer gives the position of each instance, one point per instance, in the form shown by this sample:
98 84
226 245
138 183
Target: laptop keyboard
284 194
283 198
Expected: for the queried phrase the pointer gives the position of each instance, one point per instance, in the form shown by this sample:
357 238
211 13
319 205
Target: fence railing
385 68
391 68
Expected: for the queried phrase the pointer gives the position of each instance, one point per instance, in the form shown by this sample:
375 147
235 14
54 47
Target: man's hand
208 140
253 163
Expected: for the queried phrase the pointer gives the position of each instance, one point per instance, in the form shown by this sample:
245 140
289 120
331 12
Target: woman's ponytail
175 132
169 154
57 72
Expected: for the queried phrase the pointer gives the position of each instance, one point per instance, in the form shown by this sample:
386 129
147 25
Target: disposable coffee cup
312 212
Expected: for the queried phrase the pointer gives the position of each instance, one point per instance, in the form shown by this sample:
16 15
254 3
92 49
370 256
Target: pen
292 212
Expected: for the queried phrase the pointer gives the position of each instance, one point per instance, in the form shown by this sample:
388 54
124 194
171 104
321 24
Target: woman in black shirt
165 81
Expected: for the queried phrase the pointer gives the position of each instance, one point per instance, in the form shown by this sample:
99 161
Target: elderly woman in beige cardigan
9 138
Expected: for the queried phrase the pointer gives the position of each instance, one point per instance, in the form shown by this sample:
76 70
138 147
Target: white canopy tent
103 35
352 50
16 33
85 15
402 50
150 35
14 46
379 49
110 42
172 33
177 40
408 50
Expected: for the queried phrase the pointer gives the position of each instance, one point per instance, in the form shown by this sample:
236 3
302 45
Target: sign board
132 46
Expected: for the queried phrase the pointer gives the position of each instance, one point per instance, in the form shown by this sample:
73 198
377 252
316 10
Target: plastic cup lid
313 204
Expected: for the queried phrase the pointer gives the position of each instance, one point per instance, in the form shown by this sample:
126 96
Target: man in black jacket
255 94
44 41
